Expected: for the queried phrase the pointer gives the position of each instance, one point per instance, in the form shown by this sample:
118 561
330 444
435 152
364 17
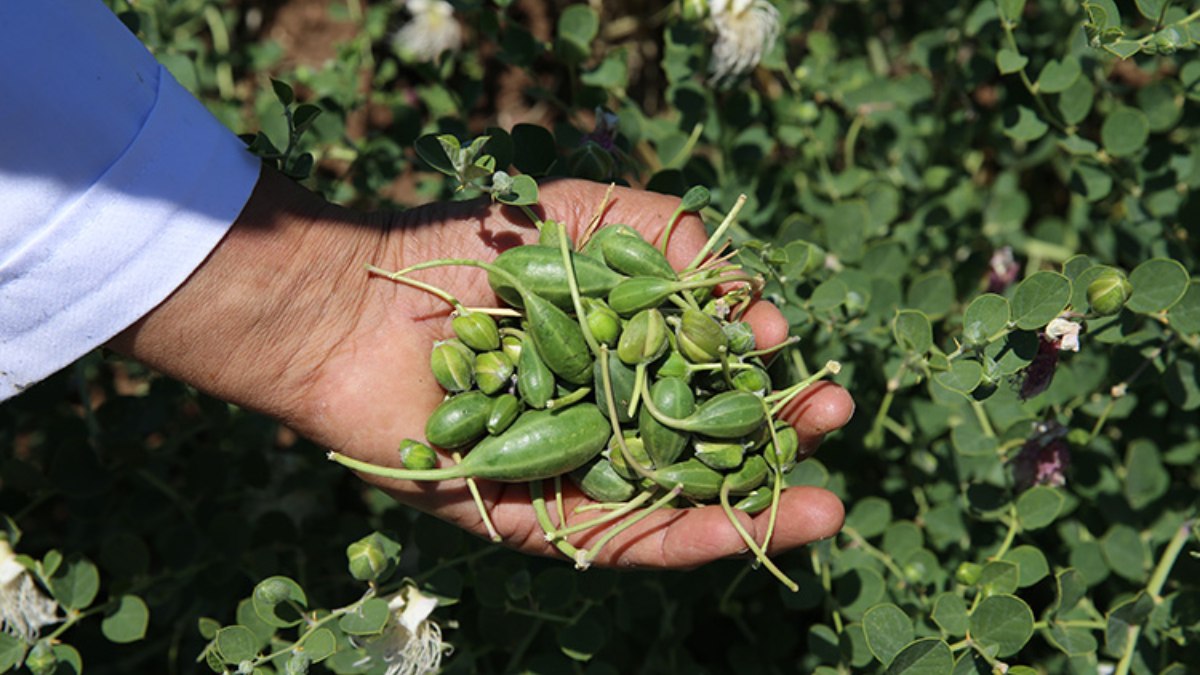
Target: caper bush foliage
982 210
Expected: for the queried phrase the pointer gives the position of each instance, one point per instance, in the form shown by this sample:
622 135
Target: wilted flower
411 644
1003 269
1044 458
1065 333
605 133
1040 372
746 30
431 31
24 609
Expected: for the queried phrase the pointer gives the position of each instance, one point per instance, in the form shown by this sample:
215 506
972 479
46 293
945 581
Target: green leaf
1125 131
870 516
283 92
1077 145
1145 477
950 614
1004 622
524 192
319 645
927 656
829 295
12 651
913 332
964 375
75 583
1076 102
846 229
1010 62
208 627
1184 315
612 73
273 600
1121 620
1011 10
1162 101
1152 9
1088 558
1090 181
369 618
1022 124
1071 588
126 623
429 148
304 115
582 639
999 578
1072 641
579 23
1125 552
1158 284
1058 76
1039 506
534 149
1040 298
985 318
1031 562
932 294
236 644
888 630
858 590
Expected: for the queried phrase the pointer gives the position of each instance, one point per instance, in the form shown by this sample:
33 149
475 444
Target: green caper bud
644 338
968 573
783 456
604 323
417 455
674 366
549 233
511 346
636 448
1109 293
700 337
41 659
720 455
740 336
477 330
503 413
754 380
453 364
493 371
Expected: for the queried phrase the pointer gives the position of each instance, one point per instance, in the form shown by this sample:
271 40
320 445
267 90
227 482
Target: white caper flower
1065 332
746 30
411 644
430 32
24 609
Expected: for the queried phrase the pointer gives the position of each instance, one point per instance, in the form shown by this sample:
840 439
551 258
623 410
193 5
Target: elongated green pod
594 247
783 457
750 476
559 340
540 270
696 480
700 337
624 381
634 294
600 481
729 414
535 382
459 420
674 397
636 257
755 501
719 455
505 409
636 448
644 338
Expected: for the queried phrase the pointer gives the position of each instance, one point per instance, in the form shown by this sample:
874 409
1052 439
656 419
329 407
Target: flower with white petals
1065 332
746 30
411 644
24 609
430 32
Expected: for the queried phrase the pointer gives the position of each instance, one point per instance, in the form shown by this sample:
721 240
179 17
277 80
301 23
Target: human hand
283 318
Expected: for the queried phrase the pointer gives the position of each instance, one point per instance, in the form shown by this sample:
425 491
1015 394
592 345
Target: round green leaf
1022 124
1145 477
1058 76
368 618
1157 285
964 375
524 192
986 317
1189 77
857 591
1070 590
1184 316
1010 62
236 644
912 331
273 600
1076 102
1125 552
534 149
1000 577
127 622
830 294
888 629
1038 506
1090 181
1162 101
927 656
932 294
1002 621
75 583
430 149
950 613
1040 298
1087 557
12 651
1031 563
853 643
319 645
870 516
1125 131
1072 641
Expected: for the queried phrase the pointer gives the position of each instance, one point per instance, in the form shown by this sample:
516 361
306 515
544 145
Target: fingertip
769 325
812 514
818 410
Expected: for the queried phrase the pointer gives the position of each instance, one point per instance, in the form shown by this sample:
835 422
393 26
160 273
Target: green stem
542 514
716 235
444 473
573 285
874 552
984 422
1013 527
759 555
1154 588
585 560
611 516
399 277
781 398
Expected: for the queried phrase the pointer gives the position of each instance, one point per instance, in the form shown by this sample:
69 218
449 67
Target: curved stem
754 548
444 473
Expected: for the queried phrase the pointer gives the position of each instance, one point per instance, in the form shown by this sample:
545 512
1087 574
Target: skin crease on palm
282 318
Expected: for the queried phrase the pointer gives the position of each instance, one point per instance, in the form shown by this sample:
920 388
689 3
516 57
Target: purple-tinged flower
605 133
1044 459
1040 372
1003 269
